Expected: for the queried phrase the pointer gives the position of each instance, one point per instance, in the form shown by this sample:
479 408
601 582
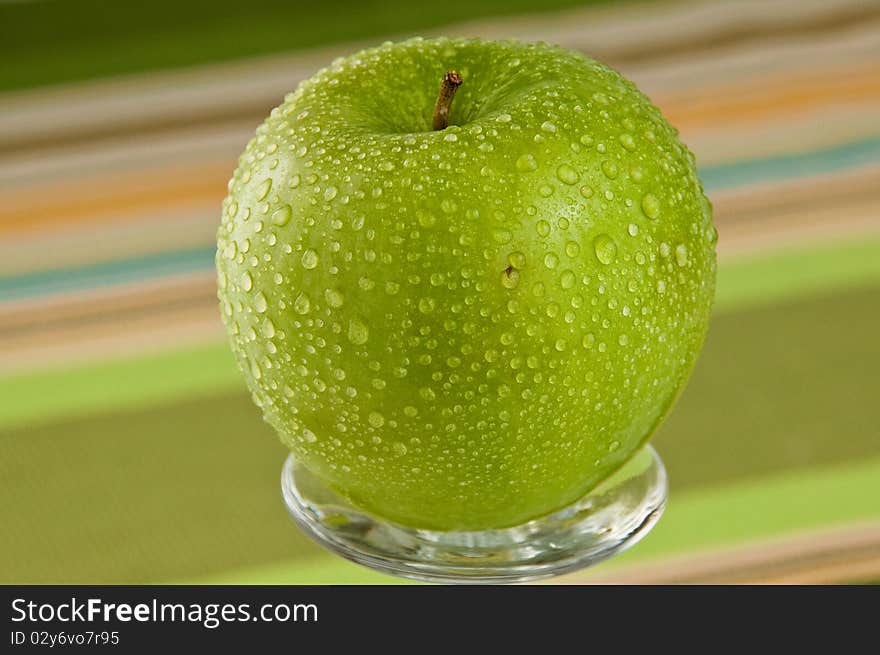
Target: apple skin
467 328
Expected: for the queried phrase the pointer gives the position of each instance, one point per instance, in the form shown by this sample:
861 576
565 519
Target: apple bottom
606 521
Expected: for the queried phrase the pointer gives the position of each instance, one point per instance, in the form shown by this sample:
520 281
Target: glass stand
606 521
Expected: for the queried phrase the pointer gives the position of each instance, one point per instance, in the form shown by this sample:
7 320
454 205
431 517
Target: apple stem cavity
451 81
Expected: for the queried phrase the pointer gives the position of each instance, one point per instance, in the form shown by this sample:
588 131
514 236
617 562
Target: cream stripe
200 92
830 555
132 233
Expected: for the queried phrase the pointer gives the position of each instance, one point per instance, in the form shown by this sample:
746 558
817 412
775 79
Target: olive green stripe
190 488
736 513
779 387
145 495
696 520
796 272
144 381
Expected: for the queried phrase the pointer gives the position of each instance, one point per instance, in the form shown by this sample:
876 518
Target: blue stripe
106 274
786 167
201 259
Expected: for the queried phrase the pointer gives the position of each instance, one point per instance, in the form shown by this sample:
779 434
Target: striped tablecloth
131 451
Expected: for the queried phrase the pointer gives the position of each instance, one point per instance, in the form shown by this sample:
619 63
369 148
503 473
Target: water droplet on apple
502 236
712 235
651 206
231 250
427 305
567 174
263 189
633 229
542 227
309 259
358 332
302 304
526 163
247 282
510 278
334 297
681 255
609 168
605 248
260 302
376 419
627 141
517 259
330 193
551 260
567 279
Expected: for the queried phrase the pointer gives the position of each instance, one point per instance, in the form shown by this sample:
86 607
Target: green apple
466 327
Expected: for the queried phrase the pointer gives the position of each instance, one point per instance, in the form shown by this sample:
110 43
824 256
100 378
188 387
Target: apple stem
450 84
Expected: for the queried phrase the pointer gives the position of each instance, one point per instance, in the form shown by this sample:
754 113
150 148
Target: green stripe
327 570
143 381
43 396
52 42
782 504
793 272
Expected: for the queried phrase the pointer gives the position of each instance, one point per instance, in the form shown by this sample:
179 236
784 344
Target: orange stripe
769 97
97 201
